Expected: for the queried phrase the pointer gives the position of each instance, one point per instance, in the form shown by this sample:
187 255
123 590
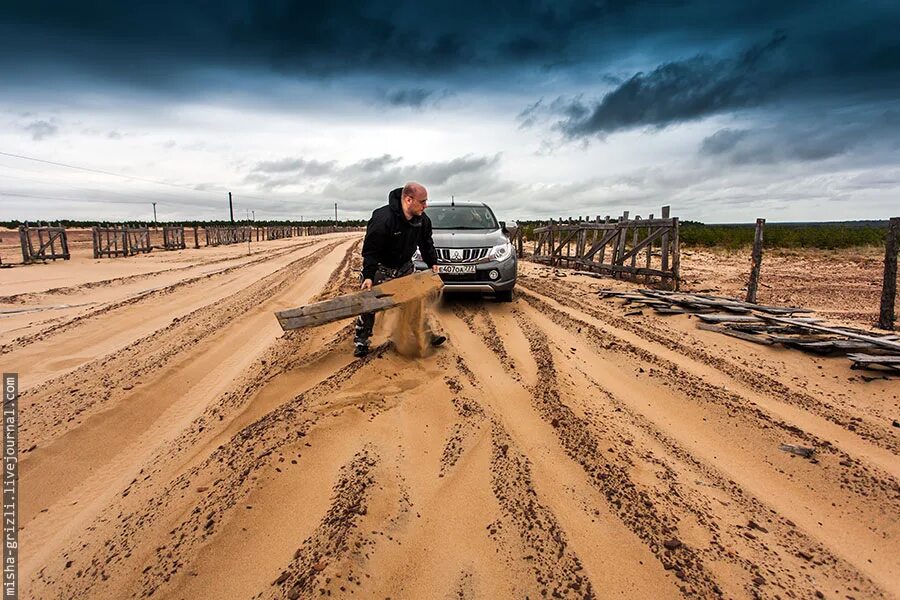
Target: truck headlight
502 252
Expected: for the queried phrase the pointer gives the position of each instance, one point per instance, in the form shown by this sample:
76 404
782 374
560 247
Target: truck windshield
461 217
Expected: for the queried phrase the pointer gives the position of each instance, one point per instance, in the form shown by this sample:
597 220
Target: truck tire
505 296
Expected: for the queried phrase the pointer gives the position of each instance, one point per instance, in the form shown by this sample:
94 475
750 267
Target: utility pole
335 214
230 208
154 215
254 215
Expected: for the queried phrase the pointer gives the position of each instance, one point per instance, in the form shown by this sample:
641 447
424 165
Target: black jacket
391 240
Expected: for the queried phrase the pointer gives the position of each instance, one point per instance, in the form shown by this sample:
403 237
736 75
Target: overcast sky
727 111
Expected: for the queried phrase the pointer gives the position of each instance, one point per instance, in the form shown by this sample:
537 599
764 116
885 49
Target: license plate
456 269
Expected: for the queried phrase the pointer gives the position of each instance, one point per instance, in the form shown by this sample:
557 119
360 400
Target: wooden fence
221 236
120 240
277 232
109 242
320 230
51 243
624 248
173 238
138 239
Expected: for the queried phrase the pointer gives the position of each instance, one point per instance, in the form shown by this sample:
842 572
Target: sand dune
181 446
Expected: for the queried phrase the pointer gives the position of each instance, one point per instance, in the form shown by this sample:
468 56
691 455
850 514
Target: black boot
361 350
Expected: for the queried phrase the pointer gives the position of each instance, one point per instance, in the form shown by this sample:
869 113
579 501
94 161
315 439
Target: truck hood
463 238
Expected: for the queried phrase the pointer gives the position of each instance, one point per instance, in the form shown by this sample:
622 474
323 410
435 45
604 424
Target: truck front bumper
481 281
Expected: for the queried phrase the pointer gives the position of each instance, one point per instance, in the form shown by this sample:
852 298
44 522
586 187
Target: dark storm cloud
770 146
722 141
804 138
41 129
414 97
299 165
684 90
805 63
142 40
366 175
688 59
162 44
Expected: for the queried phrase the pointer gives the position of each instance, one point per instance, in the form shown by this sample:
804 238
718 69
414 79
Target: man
392 236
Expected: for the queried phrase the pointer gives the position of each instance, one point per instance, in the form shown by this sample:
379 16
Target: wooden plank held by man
387 295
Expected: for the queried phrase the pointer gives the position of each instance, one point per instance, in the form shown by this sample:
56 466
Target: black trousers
365 322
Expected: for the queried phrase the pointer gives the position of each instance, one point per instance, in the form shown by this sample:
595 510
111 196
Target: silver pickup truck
473 249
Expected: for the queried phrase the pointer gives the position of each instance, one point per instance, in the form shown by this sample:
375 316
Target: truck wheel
505 296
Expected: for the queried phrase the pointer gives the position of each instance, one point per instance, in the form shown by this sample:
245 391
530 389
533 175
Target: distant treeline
786 235
776 235
244 222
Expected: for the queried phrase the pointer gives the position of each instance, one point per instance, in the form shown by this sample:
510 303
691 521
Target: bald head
416 190
413 199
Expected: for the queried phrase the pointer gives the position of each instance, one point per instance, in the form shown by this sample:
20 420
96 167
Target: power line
96 190
102 172
66 199
123 176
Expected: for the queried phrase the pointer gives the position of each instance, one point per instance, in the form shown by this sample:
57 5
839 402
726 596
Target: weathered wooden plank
670 311
381 297
865 361
796 339
336 312
664 254
609 235
756 259
805 324
887 359
603 225
637 247
842 345
727 318
749 337
618 268
676 255
889 283
720 301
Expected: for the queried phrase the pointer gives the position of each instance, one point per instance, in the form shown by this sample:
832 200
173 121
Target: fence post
889 287
619 250
634 243
664 247
676 256
756 257
550 240
23 233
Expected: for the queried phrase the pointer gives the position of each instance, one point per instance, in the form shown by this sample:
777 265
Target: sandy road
552 448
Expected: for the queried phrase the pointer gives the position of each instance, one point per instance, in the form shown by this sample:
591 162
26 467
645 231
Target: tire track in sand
865 494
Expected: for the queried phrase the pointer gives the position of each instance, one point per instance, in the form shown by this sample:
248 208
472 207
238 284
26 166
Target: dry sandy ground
179 445
842 285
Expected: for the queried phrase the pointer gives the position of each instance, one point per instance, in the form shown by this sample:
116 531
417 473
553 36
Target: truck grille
461 255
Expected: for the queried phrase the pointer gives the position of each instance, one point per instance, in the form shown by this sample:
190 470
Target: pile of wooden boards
764 324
